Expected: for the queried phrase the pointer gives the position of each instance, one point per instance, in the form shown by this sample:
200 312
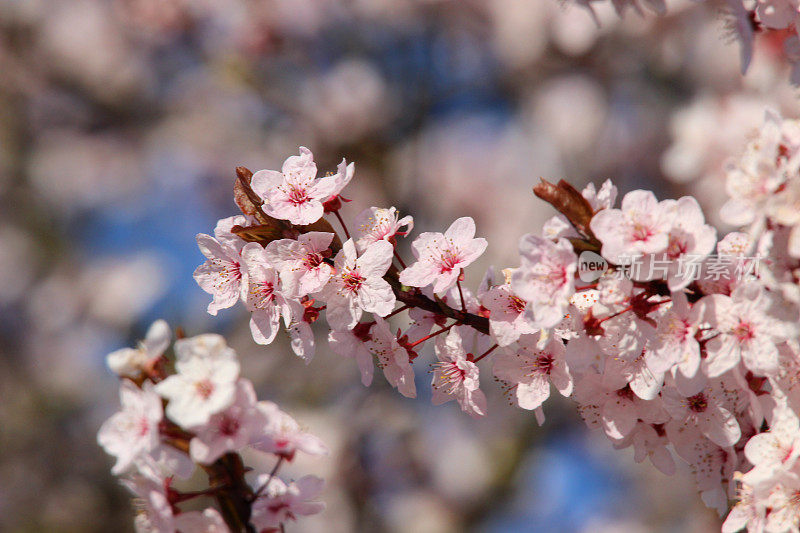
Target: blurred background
121 122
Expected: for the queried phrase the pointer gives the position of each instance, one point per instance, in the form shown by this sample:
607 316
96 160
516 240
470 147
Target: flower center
352 280
697 403
641 232
543 364
229 426
743 332
313 260
297 195
516 304
449 259
204 388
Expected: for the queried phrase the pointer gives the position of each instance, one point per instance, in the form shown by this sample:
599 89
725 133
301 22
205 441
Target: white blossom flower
130 362
133 431
205 383
229 430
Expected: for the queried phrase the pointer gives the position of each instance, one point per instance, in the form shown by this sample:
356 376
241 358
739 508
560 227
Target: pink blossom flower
392 358
301 263
376 224
642 380
507 319
263 297
746 331
748 513
157 514
641 227
205 383
545 278
690 240
229 430
773 453
602 199
221 275
440 257
706 411
454 376
616 411
283 436
352 343
302 341
282 502
295 194
131 361
675 343
784 503
133 431
649 441
358 284
529 369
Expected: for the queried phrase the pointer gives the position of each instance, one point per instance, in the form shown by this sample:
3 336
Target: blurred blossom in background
121 122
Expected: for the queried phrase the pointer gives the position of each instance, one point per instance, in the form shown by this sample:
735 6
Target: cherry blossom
746 331
301 263
221 275
545 279
455 376
705 410
263 297
392 358
205 383
131 362
282 502
746 514
640 227
358 284
283 436
507 319
675 343
132 432
689 240
616 411
441 256
529 369
352 343
295 194
376 224
229 430
773 453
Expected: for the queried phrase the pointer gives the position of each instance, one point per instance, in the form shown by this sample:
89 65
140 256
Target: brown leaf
247 200
569 202
262 234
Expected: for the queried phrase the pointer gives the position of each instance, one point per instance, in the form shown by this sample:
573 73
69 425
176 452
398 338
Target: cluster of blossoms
194 410
776 20
705 369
